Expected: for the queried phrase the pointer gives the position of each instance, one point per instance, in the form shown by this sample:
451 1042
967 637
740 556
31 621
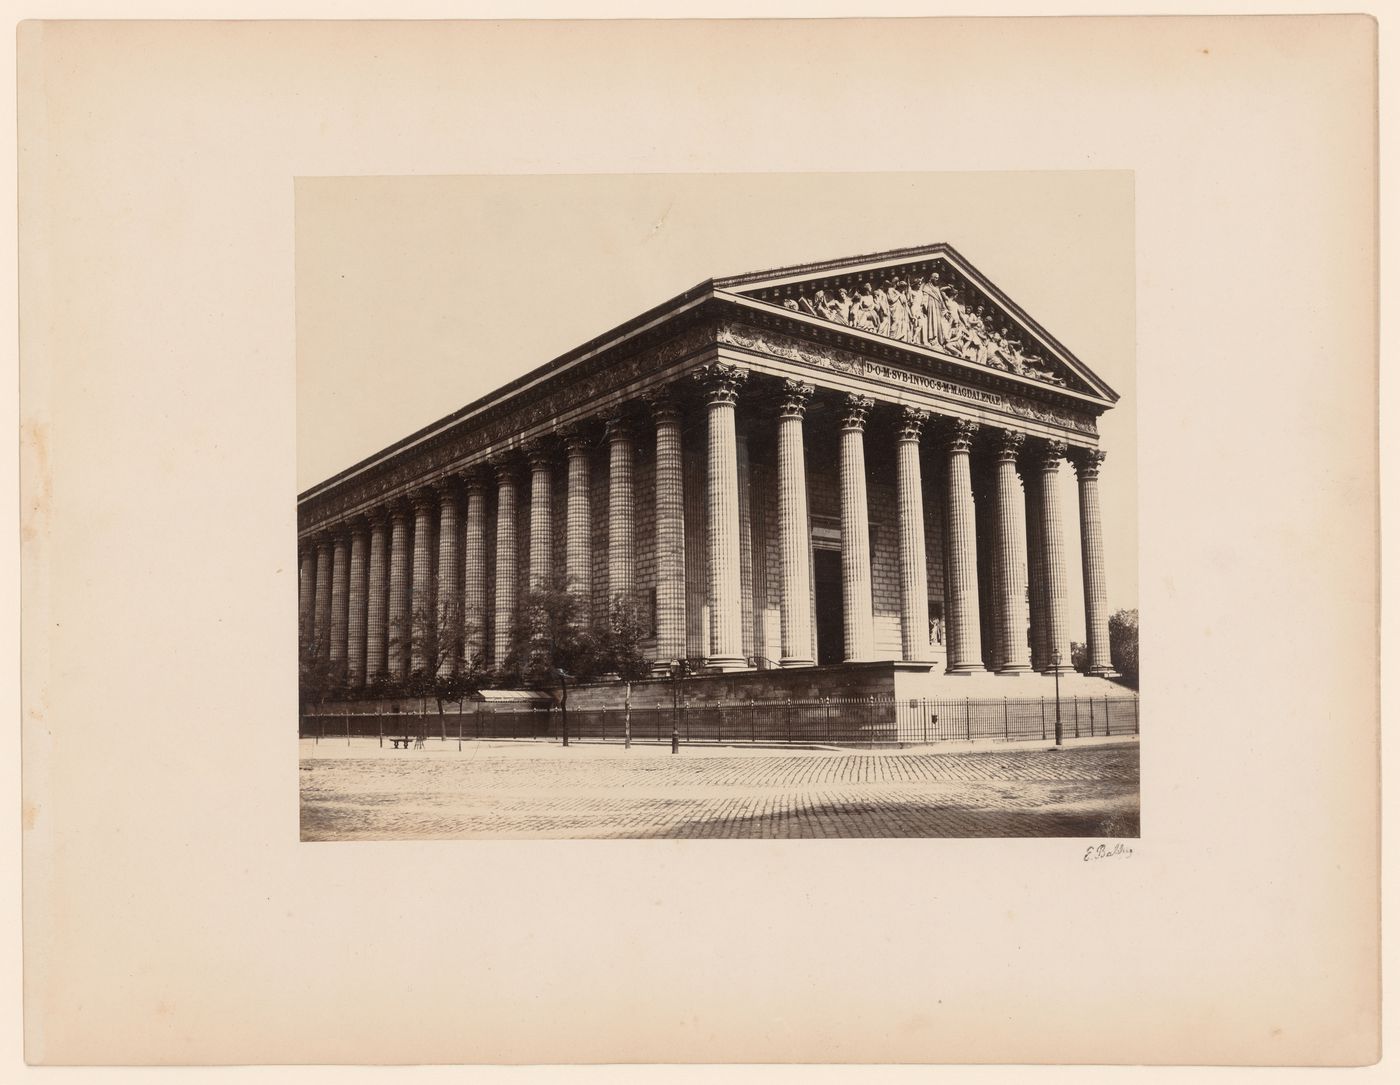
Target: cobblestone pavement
504 790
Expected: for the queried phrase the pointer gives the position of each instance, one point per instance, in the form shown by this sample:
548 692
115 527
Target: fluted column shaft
722 383
1086 465
449 588
376 604
541 519
321 623
964 634
340 599
423 621
794 530
1053 554
670 534
622 525
507 561
400 627
578 528
856 595
359 599
1011 584
474 571
306 595
1035 564
913 550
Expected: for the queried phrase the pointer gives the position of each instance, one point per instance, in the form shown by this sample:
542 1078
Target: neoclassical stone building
836 469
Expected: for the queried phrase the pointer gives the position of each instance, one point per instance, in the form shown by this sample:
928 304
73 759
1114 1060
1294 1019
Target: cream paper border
171 915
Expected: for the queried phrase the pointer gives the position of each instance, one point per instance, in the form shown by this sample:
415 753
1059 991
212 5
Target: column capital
475 479
577 436
854 411
424 497
539 452
911 423
618 427
794 398
505 467
378 516
721 382
358 524
959 434
446 487
1009 443
664 405
1087 461
1045 456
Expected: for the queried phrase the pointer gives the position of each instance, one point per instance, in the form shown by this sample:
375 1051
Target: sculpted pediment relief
931 303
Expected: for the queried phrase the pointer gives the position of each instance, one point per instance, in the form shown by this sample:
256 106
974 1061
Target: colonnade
366 602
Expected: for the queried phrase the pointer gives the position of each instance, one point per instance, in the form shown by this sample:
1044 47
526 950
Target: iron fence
874 721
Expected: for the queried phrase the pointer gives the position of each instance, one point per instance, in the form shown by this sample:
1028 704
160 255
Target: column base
1014 670
724 664
1102 672
962 669
1063 668
786 664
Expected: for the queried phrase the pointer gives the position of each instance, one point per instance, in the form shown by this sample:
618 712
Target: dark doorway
831 629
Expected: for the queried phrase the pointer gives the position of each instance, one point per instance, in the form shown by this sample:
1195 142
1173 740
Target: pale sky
416 295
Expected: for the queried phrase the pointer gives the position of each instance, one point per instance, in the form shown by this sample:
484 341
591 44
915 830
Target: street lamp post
677 669
1059 727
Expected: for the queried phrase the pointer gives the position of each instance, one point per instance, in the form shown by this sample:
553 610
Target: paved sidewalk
595 790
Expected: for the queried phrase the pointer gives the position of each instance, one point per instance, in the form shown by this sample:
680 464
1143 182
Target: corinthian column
1048 457
340 598
423 620
306 593
721 383
359 598
1035 565
670 533
541 516
964 635
578 528
621 511
449 589
913 551
794 530
507 562
321 623
377 602
1011 614
1086 465
399 618
855 533
474 570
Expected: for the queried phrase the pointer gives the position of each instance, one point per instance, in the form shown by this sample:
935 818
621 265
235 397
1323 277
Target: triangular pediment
929 298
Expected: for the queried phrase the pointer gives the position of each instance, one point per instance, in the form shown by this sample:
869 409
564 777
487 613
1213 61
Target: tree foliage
620 639
549 635
1123 644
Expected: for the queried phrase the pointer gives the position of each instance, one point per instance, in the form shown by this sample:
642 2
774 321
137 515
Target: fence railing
834 721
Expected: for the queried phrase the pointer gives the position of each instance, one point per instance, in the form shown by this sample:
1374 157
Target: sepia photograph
807 551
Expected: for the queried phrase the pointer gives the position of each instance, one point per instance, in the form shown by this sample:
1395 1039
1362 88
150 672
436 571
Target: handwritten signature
1107 851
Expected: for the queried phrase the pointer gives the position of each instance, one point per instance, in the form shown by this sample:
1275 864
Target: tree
620 638
440 631
549 635
318 679
1123 644
1079 656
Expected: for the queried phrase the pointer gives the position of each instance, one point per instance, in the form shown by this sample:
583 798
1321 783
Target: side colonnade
373 589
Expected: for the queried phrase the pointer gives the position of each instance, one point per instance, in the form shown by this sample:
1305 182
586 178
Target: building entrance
831 628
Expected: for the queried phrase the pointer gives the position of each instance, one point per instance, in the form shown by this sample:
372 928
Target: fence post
1135 715
320 728
967 716
1042 719
379 715
752 726
347 728
1106 717
459 725
1005 721
1076 714
924 704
